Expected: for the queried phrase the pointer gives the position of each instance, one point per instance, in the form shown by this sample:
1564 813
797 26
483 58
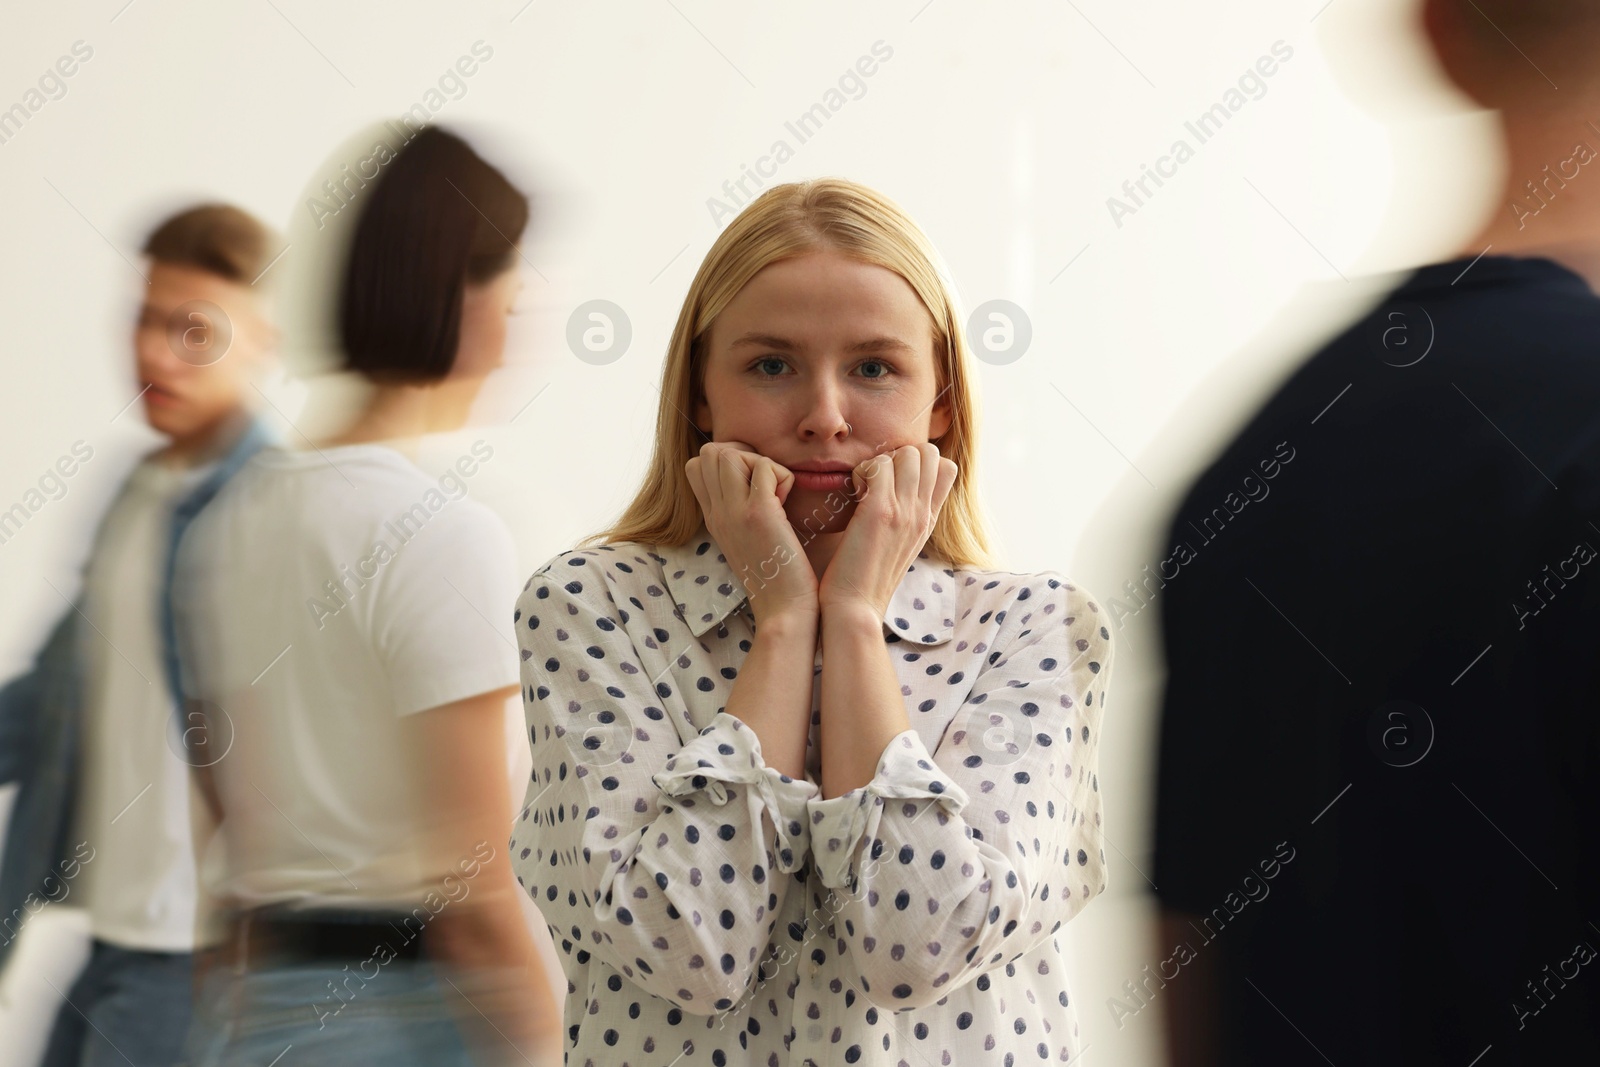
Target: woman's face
484 307
822 360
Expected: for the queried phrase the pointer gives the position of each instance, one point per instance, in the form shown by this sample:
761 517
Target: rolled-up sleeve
727 752
951 863
667 860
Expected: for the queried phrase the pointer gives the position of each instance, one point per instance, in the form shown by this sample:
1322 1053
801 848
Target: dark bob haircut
436 219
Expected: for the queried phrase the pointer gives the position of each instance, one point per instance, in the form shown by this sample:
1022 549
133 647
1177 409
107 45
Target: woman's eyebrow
765 340
880 344
873 344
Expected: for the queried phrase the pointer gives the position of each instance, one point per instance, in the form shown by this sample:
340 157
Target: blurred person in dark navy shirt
1385 668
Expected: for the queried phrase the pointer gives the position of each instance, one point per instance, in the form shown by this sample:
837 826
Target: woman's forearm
495 967
862 709
772 693
482 935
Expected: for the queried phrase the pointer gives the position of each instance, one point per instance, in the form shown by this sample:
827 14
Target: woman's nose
824 416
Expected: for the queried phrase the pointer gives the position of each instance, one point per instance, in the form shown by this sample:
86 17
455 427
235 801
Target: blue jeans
126 1006
328 1014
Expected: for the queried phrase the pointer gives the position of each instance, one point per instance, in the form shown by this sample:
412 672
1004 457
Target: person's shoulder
597 574
455 532
227 498
370 468
1062 620
1028 599
393 487
1012 585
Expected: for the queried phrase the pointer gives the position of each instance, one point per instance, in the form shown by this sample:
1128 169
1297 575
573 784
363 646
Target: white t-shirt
136 790
322 597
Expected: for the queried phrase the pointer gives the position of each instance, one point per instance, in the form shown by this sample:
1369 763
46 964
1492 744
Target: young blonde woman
811 783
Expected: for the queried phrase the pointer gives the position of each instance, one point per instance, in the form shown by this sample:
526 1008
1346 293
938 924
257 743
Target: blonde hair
823 214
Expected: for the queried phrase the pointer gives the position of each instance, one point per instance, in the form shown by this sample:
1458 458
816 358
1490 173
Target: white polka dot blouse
710 910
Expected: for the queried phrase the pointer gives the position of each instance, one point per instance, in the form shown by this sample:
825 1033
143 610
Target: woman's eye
882 368
770 365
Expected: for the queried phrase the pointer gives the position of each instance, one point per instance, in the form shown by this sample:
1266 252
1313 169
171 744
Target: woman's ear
939 422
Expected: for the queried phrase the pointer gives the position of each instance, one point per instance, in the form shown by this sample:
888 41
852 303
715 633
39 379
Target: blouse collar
921 611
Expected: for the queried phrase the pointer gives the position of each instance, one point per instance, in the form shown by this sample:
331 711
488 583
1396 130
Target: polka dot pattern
710 910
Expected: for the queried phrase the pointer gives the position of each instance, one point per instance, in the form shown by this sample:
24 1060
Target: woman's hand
904 491
741 496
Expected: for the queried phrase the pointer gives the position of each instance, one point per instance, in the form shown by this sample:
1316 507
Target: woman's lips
160 397
821 481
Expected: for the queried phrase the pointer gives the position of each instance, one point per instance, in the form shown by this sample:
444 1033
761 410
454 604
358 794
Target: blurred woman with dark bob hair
350 695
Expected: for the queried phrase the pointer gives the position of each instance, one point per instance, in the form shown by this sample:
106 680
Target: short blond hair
823 214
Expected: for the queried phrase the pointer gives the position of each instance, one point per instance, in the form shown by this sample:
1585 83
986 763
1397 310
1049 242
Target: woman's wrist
789 619
851 613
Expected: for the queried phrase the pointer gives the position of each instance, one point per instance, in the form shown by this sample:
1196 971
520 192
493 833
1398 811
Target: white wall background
1002 127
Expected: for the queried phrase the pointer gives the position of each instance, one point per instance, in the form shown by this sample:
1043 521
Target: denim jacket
40 726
